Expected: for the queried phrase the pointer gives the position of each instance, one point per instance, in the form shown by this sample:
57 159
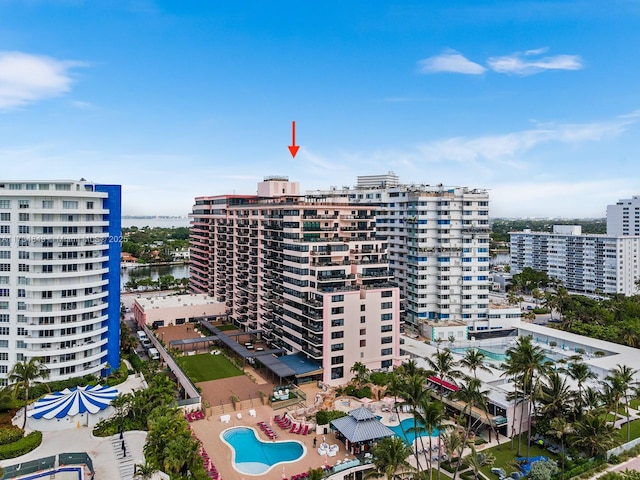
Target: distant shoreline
124 266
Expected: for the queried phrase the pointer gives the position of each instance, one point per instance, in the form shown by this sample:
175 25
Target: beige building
161 311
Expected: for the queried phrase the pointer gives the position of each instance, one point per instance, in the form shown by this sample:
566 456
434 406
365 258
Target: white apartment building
623 218
438 243
308 275
585 263
60 276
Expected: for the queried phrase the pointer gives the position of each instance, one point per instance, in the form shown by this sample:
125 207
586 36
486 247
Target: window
384 340
5 229
4 318
337 310
338 322
47 204
5 267
363 331
386 316
337 372
89 205
24 217
23 203
386 305
336 347
4 204
69 204
47 294
23 229
4 331
4 292
23 267
386 328
335 335
47 268
22 255
363 343
386 351
337 298
5 254
363 319
387 293
5 217
337 360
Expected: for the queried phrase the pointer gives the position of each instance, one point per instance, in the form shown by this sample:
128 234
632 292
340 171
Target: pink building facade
308 273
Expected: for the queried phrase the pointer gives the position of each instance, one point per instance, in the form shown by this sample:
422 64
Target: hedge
10 434
24 445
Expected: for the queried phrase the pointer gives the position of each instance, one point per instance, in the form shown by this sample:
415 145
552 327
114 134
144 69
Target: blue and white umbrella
73 402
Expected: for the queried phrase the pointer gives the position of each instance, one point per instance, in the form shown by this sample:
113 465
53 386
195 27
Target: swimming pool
252 456
407 436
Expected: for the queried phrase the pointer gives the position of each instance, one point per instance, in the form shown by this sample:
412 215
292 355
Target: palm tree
451 440
429 414
478 460
581 373
26 373
529 362
144 471
593 434
414 393
315 474
472 396
592 399
360 374
560 428
555 396
444 366
474 360
623 379
390 459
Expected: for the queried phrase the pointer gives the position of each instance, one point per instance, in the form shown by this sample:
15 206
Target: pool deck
209 430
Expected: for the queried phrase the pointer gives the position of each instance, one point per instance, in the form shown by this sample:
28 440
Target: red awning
444 383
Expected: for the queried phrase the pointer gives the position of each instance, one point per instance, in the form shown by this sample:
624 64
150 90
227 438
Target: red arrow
293 148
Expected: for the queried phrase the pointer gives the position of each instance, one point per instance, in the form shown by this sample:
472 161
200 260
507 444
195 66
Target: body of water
252 456
403 432
500 259
156 222
155 272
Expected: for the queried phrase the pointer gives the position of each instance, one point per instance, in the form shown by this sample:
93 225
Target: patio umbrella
284 475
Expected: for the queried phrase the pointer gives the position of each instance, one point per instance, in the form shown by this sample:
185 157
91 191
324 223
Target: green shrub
351 391
24 445
379 379
364 392
447 466
135 361
324 417
10 434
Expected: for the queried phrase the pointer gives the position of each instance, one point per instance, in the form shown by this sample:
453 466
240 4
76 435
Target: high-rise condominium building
309 274
438 242
585 263
623 218
60 276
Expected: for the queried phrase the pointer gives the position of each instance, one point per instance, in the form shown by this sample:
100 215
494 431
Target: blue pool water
407 436
252 456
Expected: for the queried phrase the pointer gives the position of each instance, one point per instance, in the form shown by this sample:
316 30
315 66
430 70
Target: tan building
308 273
161 311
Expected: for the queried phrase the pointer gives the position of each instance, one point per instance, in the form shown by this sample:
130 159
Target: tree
474 360
360 374
477 460
430 414
542 470
315 474
527 362
593 434
144 471
580 372
622 381
560 428
23 375
390 459
444 367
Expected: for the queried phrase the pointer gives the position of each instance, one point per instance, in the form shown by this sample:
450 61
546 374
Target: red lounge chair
305 430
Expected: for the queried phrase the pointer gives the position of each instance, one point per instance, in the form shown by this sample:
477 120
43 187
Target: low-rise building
160 311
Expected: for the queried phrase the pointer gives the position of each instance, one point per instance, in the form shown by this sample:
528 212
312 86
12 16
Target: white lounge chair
252 412
239 415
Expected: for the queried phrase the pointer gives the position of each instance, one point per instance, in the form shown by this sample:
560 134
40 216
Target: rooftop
175 301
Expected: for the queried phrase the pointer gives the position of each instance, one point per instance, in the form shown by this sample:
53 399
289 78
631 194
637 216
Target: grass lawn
203 367
506 458
224 328
635 431
635 403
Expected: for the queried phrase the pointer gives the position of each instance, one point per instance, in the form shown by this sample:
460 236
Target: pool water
407 436
252 456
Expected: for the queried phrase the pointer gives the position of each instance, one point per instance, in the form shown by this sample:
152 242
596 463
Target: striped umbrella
90 399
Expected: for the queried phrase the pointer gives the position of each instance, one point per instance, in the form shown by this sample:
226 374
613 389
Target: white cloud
507 147
521 63
26 78
451 62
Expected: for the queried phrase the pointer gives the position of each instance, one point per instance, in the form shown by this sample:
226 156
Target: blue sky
537 101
